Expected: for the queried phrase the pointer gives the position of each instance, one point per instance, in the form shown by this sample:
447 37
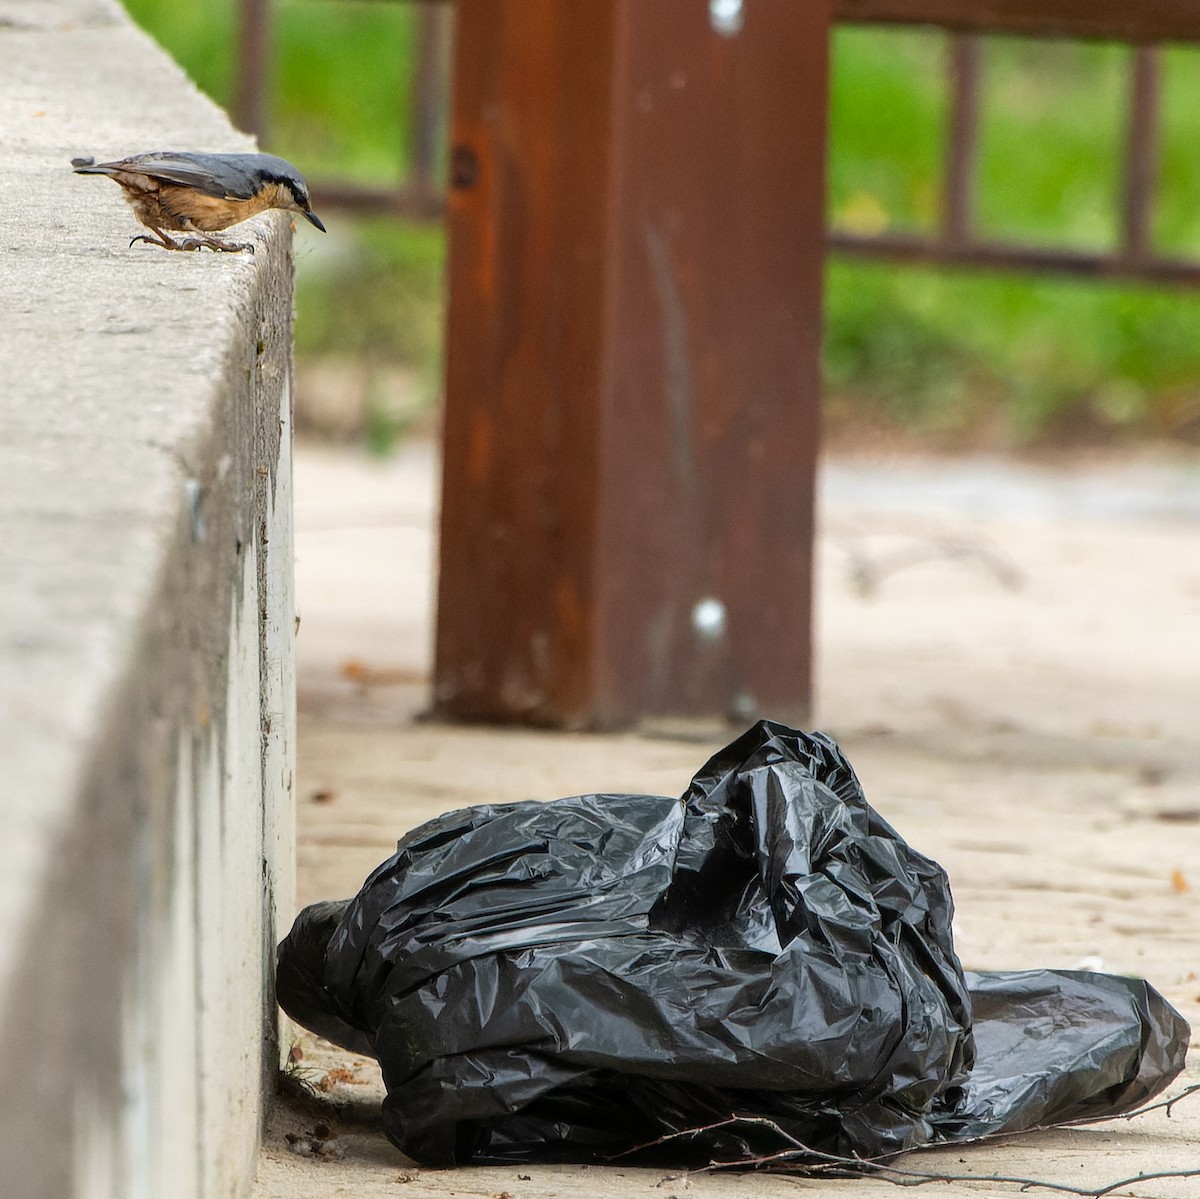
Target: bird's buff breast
182 209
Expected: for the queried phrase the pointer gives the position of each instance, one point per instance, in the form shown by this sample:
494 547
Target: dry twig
802 1160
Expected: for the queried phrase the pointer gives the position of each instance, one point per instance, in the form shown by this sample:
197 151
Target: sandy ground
1010 657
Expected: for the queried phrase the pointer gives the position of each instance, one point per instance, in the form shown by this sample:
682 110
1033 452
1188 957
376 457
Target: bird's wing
213 174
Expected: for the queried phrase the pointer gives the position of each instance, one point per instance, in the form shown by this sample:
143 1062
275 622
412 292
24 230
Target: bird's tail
87 166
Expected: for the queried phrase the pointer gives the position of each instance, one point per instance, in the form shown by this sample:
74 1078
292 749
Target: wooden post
636 222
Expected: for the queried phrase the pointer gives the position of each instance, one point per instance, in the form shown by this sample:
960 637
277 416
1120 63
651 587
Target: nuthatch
201 193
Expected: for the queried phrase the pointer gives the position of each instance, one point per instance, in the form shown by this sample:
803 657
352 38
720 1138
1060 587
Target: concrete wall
146 628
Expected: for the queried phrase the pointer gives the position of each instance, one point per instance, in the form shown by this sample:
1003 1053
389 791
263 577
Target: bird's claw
152 241
217 247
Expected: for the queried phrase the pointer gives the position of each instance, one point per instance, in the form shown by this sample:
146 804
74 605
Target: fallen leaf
354 670
1179 884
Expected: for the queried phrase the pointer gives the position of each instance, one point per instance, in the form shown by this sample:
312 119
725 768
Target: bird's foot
216 245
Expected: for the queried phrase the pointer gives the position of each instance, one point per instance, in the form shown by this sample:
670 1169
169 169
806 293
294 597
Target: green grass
344 76
1178 224
381 298
886 114
1052 136
1025 358
941 354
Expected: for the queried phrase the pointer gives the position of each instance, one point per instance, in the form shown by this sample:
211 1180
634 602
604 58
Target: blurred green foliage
941 353
378 298
340 78
1017 358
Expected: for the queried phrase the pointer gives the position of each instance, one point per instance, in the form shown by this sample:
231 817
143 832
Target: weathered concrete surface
146 713
1010 658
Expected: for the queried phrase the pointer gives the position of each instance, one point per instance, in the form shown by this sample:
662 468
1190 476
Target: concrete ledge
146 628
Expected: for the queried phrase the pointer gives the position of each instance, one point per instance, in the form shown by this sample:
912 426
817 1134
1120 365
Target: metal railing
955 240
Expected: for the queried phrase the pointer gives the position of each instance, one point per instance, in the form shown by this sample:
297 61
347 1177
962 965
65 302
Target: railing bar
253 66
1141 154
1133 21
962 141
406 200
428 96
1008 256
419 198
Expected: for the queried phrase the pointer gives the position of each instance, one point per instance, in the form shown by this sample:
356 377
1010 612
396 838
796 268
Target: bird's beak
312 216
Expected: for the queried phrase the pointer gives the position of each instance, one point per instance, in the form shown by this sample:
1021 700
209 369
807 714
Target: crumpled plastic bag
579 979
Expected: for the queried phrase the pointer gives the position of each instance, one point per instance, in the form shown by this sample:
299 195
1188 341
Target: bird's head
300 202
292 189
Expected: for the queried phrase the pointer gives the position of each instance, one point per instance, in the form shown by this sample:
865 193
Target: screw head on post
726 16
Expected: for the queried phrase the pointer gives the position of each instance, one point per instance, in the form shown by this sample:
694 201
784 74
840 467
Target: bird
200 194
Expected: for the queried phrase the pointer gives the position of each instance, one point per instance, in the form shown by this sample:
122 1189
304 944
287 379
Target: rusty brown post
636 251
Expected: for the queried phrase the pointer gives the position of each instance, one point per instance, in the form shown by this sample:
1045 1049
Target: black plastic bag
580 978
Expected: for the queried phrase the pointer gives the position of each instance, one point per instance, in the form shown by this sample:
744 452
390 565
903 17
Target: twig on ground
916 1178
801 1160
868 573
1078 1122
